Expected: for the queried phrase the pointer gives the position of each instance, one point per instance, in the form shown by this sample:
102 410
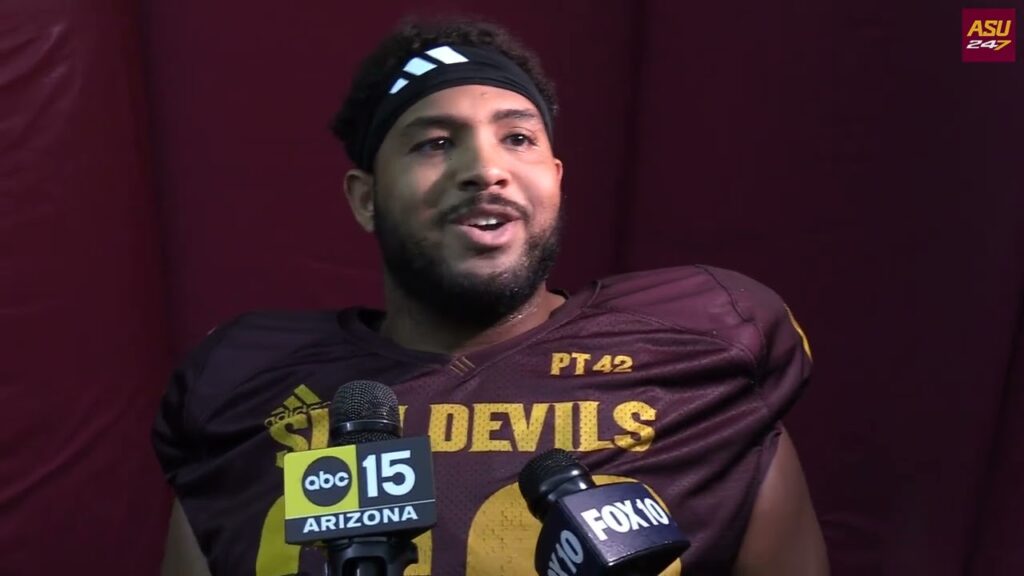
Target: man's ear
559 169
359 191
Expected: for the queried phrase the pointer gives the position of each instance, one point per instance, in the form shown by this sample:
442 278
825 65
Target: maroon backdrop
169 167
82 313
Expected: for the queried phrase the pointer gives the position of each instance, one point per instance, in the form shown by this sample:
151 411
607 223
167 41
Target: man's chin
482 268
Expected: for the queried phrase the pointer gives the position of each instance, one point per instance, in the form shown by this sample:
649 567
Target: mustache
477 201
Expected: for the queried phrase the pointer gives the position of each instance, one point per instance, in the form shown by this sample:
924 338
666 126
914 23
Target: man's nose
480 167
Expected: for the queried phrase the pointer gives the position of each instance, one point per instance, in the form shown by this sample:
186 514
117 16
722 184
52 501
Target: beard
470 299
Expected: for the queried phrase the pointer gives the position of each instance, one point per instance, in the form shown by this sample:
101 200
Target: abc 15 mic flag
359 489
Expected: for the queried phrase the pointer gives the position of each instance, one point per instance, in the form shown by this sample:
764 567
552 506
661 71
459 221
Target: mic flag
615 529
371 482
372 488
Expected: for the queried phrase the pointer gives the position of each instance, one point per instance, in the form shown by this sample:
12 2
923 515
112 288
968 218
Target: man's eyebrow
514 114
452 121
434 121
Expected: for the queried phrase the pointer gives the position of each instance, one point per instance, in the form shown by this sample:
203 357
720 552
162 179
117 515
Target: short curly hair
377 71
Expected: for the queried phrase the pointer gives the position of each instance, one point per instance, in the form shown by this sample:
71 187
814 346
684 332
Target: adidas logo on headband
480 65
417 66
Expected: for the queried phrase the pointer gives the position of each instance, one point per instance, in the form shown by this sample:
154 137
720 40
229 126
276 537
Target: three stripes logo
429 60
461 365
299 403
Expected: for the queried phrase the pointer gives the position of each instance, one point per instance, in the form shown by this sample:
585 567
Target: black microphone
369 494
588 530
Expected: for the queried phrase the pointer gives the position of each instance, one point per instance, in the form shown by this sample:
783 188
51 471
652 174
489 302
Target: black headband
446 67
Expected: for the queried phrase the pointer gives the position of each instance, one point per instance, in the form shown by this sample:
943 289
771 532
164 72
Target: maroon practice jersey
676 378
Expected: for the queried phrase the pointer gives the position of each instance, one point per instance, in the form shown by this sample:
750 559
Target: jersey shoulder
256 339
713 302
235 351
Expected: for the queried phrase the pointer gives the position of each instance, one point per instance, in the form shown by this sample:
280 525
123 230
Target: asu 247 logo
989 35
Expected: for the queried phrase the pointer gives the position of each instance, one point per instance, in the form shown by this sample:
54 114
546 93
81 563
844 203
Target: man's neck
413 326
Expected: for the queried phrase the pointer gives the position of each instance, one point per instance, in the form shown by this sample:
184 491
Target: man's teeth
483 221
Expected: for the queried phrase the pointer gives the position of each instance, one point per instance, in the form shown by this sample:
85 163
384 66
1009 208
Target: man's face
467 202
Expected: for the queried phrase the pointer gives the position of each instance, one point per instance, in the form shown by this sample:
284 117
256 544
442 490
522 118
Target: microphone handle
370 556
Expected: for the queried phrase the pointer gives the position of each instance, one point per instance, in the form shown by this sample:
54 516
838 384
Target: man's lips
485 215
487 225
487 238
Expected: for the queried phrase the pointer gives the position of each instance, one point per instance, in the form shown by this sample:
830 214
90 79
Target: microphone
369 494
588 530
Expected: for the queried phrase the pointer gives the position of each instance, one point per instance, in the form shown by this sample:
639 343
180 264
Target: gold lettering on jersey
283 433
518 427
449 427
589 434
623 364
527 432
559 360
582 363
495 427
604 364
563 425
321 428
484 424
629 416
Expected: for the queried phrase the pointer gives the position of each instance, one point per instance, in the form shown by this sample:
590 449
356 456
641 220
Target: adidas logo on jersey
300 402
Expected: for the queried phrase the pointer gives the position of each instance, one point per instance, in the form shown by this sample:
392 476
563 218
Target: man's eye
520 140
433 145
